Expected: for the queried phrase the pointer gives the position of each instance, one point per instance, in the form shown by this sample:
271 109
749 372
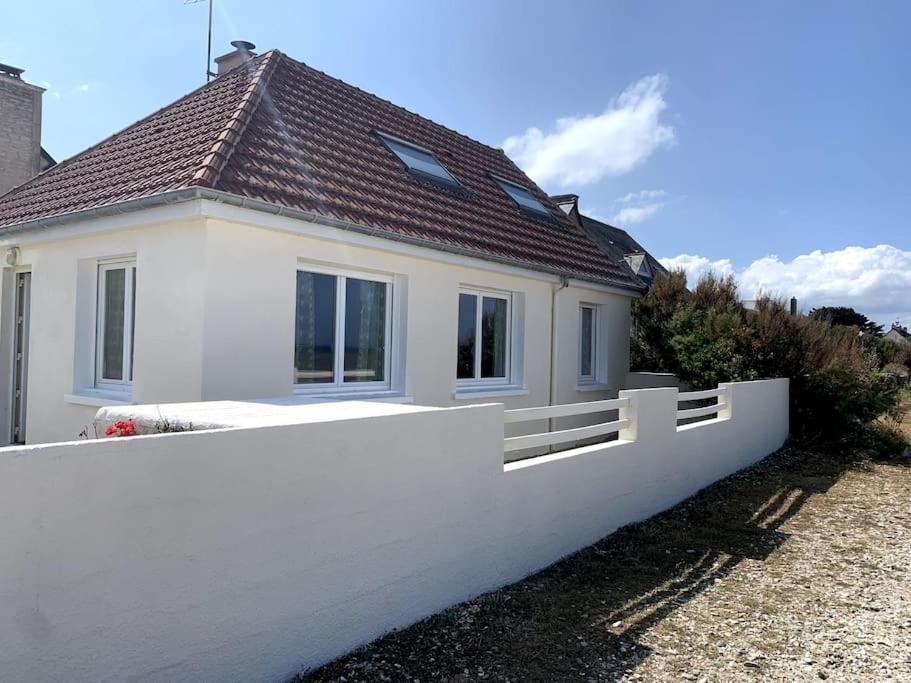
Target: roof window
522 197
418 160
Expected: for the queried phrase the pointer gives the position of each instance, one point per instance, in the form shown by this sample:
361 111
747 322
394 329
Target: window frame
128 264
338 385
593 354
476 380
450 181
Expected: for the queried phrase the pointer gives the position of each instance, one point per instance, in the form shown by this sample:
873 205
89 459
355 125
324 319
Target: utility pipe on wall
564 283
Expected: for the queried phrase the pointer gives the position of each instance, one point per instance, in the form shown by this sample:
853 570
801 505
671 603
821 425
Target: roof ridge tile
214 162
83 153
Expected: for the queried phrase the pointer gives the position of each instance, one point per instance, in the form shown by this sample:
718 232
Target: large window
342 331
116 323
483 337
588 342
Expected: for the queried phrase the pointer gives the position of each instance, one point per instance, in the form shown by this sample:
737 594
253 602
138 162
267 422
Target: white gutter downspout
564 283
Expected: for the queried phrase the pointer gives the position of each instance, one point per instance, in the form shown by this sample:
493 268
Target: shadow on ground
583 617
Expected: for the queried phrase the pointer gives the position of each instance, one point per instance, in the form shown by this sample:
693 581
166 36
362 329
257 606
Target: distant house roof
615 242
281 132
899 335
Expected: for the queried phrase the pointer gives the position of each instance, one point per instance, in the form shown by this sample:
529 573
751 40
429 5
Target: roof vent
243 52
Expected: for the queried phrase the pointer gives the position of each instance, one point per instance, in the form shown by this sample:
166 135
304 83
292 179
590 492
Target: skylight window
418 160
522 197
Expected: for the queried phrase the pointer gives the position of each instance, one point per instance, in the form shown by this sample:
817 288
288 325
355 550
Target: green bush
706 336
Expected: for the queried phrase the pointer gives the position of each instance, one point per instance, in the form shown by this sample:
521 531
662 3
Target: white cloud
582 150
635 207
697 266
874 280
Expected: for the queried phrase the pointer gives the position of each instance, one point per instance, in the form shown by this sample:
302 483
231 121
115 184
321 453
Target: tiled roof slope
617 242
279 131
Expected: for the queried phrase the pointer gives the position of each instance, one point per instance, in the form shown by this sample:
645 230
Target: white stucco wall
215 312
169 306
246 554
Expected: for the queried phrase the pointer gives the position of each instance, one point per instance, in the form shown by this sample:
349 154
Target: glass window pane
468 310
419 160
523 197
112 345
586 335
314 329
493 337
365 331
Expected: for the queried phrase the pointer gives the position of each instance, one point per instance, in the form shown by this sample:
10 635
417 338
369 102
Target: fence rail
550 438
560 436
697 395
517 443
721 401
565 410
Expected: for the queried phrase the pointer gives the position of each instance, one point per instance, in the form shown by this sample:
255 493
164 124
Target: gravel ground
797 569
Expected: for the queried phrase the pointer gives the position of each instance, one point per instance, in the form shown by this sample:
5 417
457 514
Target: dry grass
796 569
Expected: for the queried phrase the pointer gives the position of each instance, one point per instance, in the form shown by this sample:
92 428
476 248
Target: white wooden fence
722 401
552 437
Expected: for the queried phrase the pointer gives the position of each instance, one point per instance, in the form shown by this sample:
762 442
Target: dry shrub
706 337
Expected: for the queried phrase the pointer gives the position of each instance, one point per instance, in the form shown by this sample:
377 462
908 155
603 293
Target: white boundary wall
246 554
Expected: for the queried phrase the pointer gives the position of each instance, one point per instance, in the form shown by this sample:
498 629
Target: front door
20 356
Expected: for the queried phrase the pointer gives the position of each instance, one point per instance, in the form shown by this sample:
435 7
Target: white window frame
593 376
477 380
338 385
125 384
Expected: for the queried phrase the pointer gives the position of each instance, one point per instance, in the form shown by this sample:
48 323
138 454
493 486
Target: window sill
98 398
386 396
467 393
592 386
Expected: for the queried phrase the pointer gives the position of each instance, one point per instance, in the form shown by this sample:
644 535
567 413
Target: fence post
629 412
652 413
728 397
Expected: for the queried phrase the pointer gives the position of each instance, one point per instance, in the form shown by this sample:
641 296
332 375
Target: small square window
418 160
521 196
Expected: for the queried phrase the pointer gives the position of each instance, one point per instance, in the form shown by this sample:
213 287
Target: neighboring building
616 243
899 335
277 233
21 154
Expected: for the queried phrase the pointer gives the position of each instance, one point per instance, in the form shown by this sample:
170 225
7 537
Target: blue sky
718 133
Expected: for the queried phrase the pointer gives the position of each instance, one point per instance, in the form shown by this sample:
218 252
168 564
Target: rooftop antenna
209 73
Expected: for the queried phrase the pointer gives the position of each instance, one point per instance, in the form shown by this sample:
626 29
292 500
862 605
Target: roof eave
171 197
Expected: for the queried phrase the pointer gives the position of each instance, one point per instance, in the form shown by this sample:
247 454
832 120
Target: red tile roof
279 131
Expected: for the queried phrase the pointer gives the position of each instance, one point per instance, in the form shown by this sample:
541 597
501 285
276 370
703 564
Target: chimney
20 128
243 52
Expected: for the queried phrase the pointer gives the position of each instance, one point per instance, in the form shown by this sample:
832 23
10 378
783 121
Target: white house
279 233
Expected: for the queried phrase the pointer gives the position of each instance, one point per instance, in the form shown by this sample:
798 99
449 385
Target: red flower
121 428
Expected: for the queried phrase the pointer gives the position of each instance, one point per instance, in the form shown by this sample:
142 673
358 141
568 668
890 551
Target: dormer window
418 160
521 196
639 265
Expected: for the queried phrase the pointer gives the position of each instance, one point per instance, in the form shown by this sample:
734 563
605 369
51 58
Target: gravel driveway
797 569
